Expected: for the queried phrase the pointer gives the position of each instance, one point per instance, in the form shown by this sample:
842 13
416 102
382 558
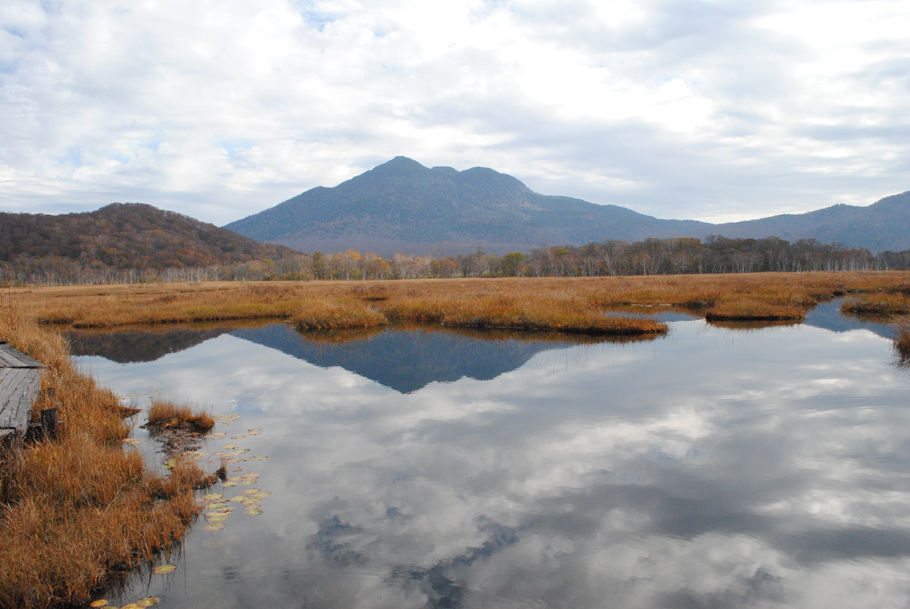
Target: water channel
714 467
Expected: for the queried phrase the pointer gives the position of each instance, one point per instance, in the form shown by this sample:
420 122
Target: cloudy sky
713 110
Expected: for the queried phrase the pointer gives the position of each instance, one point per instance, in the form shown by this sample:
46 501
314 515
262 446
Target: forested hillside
116 238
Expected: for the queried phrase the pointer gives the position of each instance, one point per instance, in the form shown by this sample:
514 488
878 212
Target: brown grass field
79 511
532 304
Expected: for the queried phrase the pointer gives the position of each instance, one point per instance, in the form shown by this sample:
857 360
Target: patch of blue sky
316 18
52 7
15 32
74 156
152 144
235 147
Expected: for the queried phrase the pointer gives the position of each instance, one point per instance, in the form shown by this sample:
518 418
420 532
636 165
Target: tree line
648 257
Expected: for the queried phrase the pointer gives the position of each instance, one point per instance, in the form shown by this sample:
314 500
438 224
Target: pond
715 467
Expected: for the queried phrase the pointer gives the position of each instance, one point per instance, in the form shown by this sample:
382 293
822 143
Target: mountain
402 206
123 236
884 225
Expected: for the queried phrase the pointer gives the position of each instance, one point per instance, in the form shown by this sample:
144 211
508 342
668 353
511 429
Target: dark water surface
412 468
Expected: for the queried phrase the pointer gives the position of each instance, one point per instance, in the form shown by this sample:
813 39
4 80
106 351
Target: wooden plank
18 389
10 358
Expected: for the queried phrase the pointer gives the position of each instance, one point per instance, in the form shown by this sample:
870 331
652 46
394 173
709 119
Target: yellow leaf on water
164 569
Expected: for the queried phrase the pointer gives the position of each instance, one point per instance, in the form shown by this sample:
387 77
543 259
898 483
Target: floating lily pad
219 434
258 458
148 601
164 569
251 491
98 603
260 495
230 446
238 437
253 511
229 484
214 526
212 496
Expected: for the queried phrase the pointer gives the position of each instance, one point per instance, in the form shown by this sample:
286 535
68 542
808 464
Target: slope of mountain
884 225
123 236
402 206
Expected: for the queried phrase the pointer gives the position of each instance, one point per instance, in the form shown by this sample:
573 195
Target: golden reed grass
536 304
79 511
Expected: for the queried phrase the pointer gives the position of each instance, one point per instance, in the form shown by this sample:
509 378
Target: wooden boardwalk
20 381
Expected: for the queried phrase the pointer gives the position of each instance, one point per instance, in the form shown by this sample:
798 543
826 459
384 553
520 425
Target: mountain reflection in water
403 360
710 468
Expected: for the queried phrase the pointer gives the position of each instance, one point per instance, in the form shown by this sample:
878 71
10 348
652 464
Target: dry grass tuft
165 415
337 314
902 340
747 309
878 304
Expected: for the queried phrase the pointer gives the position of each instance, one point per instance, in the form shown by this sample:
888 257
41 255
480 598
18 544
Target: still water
715 467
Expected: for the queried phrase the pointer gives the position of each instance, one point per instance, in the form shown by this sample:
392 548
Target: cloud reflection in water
714 468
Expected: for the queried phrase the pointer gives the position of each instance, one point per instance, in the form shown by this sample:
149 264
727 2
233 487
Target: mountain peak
400 164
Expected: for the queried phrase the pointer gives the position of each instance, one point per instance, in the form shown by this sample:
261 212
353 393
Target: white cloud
677 109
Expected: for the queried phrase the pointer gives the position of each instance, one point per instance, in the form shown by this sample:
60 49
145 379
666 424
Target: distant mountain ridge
122 236
402 206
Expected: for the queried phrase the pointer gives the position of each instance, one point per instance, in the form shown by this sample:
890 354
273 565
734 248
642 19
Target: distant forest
648 257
